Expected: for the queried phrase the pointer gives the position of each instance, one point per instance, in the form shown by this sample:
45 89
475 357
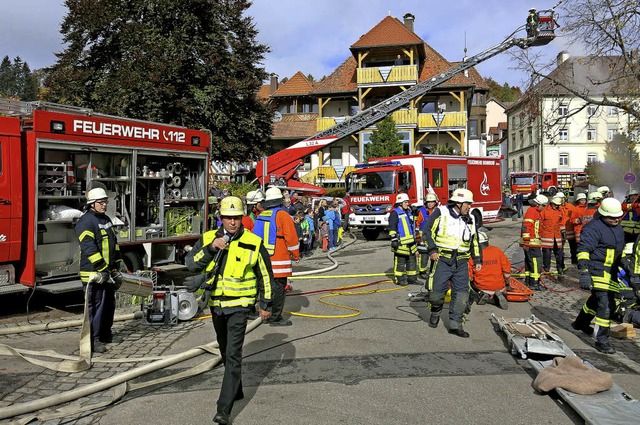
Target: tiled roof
502 125
389 32
477 79
298 85
435 63
293 129
343 79
263 93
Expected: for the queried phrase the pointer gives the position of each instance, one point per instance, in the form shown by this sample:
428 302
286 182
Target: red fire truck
50 155
373 186
549 182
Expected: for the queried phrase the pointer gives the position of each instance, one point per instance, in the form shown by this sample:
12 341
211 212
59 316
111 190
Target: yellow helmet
231 206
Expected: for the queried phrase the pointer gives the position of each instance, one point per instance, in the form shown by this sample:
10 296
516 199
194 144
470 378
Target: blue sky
314 37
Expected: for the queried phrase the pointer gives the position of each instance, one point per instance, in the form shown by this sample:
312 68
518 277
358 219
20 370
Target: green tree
385 140
504 92
620 156
17 80
193 63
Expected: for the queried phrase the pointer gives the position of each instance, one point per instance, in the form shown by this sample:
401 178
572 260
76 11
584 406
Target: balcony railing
450 120
405 116
385 75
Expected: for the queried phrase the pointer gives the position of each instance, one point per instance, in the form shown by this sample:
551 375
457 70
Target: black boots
459 332
605 347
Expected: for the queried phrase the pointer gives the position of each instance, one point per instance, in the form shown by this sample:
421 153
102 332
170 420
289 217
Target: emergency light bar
377 164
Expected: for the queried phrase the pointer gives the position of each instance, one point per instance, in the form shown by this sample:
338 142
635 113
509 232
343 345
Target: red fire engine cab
373 186
548 182
50 155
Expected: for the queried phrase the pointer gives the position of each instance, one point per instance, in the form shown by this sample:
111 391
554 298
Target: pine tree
194 63
17 80
384 140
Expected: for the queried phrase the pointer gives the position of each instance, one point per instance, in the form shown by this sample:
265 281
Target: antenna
465 46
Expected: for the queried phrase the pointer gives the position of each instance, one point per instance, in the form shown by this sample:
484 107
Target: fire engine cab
548 182
50 155
373 186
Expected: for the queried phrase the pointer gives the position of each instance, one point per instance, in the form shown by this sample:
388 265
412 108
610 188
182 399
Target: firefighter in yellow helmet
238 273
451 239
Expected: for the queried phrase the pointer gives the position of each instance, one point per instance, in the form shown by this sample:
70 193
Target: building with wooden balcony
386 60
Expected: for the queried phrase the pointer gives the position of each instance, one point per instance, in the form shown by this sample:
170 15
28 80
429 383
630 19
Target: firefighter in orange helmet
278 231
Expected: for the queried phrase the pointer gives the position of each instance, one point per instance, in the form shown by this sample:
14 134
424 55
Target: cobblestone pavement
20 383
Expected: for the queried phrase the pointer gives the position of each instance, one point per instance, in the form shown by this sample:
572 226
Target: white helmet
580 196
556 200
431 197
539 200
401 198
610 207
483 237
462 195
632 192
254 196
273 193
604 190
595 195
96 194
560 194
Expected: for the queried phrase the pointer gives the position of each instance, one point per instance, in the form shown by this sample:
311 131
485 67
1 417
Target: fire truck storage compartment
457 176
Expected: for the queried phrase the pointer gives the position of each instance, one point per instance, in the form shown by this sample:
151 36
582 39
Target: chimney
273 85
408 21
562 56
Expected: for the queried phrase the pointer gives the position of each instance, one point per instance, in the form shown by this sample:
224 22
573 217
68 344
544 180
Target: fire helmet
539 200
610 207
402 197
604 190
483 237
431 197
560 194
580 196
254 196
272 194
556 200
596 195
96 194
462 195
231 206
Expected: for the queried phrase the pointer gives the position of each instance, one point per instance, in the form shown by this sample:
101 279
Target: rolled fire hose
177 181
177 168
63 324
168 181
170 168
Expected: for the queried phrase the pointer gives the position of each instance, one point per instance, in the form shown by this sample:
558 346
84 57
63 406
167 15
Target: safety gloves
585 280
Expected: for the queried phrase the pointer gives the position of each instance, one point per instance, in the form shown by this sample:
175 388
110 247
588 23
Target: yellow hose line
341 276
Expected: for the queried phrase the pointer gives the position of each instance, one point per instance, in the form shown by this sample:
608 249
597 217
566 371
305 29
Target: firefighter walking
100 263
424 211
450 236
530 241
403 242
278 232
599 254
553 235
238 272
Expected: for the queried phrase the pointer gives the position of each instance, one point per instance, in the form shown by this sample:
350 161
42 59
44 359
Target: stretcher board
611 407
531 335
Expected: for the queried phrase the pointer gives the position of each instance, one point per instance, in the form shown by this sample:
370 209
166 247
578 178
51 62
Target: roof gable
343 79
298 85
388 32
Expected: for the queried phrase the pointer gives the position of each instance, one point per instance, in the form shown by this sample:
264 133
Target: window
591 134
405 138
336 156
612 111
563 160
592 157
436 181
591 110
531 162
563 134
513 165
563 109
473 128
530 136
611 133
478 99
428 107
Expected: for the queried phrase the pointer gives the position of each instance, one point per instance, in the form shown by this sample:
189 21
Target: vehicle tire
371 233
553 190
478 217
132 261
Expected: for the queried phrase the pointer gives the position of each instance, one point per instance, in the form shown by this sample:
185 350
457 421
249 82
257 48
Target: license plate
369 218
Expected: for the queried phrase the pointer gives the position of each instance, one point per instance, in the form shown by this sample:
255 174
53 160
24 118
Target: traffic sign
629 178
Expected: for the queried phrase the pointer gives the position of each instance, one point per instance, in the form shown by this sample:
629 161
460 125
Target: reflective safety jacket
99 250
551 225
244 272
586 215
530 231
423 214
576 224
278 232
599 252
496 267
569 212
401 226
452 235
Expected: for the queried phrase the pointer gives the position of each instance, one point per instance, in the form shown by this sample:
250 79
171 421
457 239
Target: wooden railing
395 74
449 120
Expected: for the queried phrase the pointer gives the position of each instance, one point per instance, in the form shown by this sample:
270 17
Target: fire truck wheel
132 260
553 190
371 233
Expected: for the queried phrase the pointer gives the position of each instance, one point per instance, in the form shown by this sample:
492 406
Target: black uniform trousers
558 253
102 307
601 305
456 270
230 329
278 287
533 265
405 269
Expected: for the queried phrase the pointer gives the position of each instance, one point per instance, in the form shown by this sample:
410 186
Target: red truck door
10 186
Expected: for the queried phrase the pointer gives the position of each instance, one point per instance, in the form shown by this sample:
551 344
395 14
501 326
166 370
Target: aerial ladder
281 167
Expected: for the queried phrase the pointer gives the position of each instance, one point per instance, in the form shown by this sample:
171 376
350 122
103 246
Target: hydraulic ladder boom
284 163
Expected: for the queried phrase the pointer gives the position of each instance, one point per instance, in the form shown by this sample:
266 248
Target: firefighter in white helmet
100 264
530 241
403 242
599 255
278 232
238 274
450 236
605 191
